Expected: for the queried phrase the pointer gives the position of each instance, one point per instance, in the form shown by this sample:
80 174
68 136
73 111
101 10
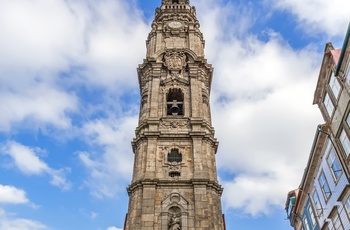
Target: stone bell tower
174 184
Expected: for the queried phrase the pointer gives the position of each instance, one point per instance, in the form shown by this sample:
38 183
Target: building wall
325 187
336 187
309 219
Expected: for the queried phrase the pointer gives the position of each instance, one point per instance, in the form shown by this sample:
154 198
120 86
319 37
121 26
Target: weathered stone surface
175 82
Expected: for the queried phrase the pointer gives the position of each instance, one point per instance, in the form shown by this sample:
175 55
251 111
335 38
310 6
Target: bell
174 109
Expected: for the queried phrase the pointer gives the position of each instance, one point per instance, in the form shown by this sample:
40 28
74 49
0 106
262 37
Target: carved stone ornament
175 60
175 24
174 124
174 166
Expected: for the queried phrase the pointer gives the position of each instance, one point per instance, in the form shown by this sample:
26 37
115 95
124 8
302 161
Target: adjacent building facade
323 199
174 184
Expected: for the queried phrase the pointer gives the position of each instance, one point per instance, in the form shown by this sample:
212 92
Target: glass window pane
347 205
334 164
312 216
317 203
324 186
337 223
335 86
345 142
348 120
306 224
328 104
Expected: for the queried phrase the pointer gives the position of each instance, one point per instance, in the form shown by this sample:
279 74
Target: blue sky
69 105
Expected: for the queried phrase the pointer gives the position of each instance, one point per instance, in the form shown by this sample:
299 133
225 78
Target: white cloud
93 215
9 223
27 161
114 228
33 54
53 36
33 105
114 44
110 162
255 194
46 33
58 178
262 112
12 195
59 46
331 18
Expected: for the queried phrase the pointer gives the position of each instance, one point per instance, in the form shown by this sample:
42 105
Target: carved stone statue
174 223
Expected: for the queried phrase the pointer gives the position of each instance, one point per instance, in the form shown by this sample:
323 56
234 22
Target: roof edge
342 54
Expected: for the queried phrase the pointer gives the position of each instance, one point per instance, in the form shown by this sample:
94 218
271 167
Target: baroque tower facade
174 184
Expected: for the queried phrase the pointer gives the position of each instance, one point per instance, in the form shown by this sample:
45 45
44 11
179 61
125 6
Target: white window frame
312 216
345 142
323 184
328 104
335 86
306 223
347 205
336 221
334 164
348 120
317 203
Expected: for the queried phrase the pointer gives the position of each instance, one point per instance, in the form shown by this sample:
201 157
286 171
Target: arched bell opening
175 101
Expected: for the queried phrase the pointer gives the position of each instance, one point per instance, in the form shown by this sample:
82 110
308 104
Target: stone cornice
178 184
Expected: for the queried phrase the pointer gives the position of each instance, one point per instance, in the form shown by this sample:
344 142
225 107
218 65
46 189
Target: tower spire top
169 2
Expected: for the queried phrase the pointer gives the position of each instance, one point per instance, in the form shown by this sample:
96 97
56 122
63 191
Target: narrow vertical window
337 224
317 203
291 205
306 223
324 186
312 216
333 164
345 142
334 85
328 104
348 120
347 205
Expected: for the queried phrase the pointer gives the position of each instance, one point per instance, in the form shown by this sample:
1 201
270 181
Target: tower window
174 156
175 1
175 100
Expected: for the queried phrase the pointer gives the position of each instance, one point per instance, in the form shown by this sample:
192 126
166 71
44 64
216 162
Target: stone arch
175 99
174 204
185 94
